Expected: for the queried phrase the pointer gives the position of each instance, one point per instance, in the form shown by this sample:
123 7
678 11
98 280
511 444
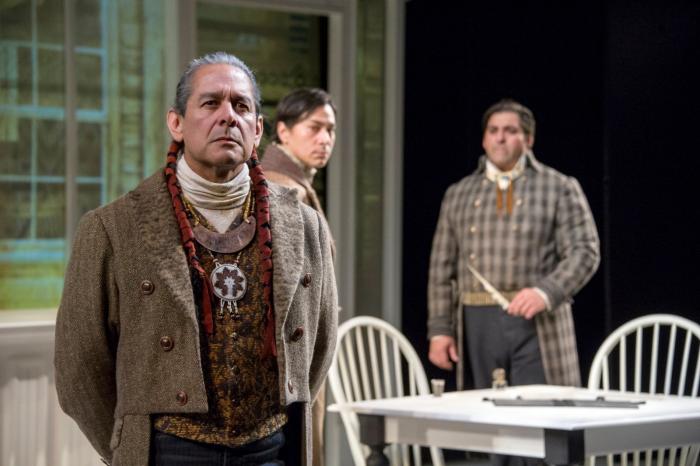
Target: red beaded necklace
264 234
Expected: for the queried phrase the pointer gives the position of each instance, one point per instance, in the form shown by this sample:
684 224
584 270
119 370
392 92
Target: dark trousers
169 450
495 339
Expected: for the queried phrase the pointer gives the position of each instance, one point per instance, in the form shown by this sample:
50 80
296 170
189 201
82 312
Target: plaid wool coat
549 241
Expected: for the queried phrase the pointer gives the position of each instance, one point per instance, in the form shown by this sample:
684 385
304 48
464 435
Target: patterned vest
242 387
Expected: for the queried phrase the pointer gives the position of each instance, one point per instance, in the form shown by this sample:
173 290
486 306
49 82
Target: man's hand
443 351
527 303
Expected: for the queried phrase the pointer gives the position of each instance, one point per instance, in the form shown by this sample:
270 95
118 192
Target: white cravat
220 203
504 178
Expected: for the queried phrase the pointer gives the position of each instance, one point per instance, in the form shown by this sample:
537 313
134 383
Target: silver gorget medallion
230 284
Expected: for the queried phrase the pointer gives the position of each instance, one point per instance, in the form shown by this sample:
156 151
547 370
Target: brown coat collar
160 235
274 160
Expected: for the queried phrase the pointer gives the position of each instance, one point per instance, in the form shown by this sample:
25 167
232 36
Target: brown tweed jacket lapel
287 249
160 237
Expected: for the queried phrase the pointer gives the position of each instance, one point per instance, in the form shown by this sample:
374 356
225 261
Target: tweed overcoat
549 241
128 285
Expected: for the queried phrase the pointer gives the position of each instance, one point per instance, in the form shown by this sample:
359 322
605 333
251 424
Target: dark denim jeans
168 450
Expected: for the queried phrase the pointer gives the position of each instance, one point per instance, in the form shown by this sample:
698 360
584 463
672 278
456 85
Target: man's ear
282 130
530 141
175 125
258 130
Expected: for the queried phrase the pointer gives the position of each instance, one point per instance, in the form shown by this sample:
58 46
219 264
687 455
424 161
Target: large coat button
181 397
306 281
166 343
290 386
297 334
147 287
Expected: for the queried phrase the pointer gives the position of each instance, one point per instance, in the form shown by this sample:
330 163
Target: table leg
372 435
563 447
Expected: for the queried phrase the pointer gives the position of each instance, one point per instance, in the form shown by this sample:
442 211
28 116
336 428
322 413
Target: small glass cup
499 379
438 386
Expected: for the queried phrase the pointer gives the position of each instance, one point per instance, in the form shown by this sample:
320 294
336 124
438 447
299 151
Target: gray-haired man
199 314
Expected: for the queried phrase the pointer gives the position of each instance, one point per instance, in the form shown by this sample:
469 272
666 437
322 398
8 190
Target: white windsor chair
657 354
371 356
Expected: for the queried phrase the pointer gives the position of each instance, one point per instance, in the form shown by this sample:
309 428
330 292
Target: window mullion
33 164
104 111
71 123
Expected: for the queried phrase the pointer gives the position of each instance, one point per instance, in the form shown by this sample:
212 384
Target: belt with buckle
482 298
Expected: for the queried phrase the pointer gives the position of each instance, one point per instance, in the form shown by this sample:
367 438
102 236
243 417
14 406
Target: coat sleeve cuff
440 326
545 298
555 293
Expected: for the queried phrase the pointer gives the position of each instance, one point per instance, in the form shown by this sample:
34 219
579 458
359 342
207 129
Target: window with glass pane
112 75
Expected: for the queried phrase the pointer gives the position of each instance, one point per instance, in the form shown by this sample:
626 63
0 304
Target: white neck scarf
220 203
503 179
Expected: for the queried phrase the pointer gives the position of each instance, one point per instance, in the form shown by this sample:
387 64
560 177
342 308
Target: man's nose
325 136
228 115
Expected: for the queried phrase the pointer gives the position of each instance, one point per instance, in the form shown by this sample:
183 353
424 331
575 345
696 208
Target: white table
559 435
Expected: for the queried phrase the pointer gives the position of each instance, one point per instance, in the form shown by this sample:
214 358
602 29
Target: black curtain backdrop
614 89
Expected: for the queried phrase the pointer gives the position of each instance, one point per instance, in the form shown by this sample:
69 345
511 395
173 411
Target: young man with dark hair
303 143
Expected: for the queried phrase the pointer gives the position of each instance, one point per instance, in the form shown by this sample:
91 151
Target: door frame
340 192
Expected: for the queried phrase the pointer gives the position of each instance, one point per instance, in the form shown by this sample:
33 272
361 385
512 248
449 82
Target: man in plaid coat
528 231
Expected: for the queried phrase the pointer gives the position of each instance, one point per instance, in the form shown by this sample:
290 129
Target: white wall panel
33 429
